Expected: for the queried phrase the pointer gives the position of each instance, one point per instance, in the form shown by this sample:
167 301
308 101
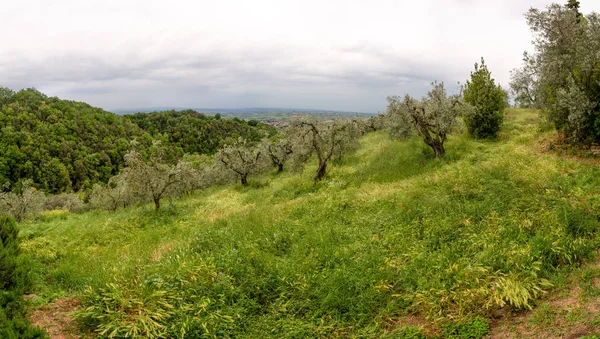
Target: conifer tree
488 100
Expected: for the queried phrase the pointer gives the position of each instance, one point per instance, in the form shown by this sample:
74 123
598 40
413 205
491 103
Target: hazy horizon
338 55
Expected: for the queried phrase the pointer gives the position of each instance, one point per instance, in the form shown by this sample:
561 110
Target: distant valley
257 113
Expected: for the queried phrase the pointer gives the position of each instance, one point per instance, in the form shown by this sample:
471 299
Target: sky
346 55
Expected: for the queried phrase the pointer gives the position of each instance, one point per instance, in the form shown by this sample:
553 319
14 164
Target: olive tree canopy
155 177
432 117
24 201
562 76
242 158
325 140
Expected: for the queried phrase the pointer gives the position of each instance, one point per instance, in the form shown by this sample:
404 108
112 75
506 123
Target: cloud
346 55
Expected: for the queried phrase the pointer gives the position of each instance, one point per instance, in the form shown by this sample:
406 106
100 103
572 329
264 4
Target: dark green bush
14 281
489 102
475 329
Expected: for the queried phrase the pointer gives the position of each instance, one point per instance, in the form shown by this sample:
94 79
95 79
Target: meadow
394 244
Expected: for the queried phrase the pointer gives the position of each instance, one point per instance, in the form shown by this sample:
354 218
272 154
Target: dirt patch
593 306
512 325
569 302
579 331
571 317
416 320
54 318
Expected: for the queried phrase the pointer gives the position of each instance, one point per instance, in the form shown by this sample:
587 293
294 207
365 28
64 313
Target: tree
522 87
574 6
279 152
117 193
64 201
376 123
55 177
562 76
65 146
433 117
488 100
155 178
23 202
5 95
324 140
241 158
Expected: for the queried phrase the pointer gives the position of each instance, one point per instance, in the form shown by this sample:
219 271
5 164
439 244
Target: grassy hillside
394 243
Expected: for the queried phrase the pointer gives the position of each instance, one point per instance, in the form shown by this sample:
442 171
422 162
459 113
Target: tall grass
391 232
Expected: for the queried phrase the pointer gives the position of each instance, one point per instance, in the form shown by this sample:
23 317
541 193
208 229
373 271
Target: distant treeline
67 146
194 132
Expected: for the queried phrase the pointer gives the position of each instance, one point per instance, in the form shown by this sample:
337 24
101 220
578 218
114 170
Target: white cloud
335 54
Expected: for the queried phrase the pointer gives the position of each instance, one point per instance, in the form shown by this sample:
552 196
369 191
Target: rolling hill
497 238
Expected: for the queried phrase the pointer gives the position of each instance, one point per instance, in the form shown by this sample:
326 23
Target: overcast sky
328 54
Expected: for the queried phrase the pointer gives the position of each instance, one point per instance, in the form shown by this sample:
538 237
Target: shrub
65 201
488 100
14 281
25 201
475 329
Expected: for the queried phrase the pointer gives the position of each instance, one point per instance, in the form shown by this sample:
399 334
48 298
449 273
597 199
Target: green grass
391 232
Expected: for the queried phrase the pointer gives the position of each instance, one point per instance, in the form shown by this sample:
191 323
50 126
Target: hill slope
65 145
394 243
195 132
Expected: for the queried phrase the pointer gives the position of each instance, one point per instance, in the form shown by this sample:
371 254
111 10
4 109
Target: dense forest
65 146
194 132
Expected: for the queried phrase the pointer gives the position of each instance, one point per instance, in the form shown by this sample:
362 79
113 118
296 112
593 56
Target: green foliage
433 117
327 141
65 146
488 100
407 332
61 145
562 76
279 151
194 132
475 329
161 305
14 281
242 159
154 178
25 201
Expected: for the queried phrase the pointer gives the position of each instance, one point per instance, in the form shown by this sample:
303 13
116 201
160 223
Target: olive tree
488 100
323 140
376 123
24 201
117 193
155 178
279 152
241 159
432 117
64 201
562 76
195 172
